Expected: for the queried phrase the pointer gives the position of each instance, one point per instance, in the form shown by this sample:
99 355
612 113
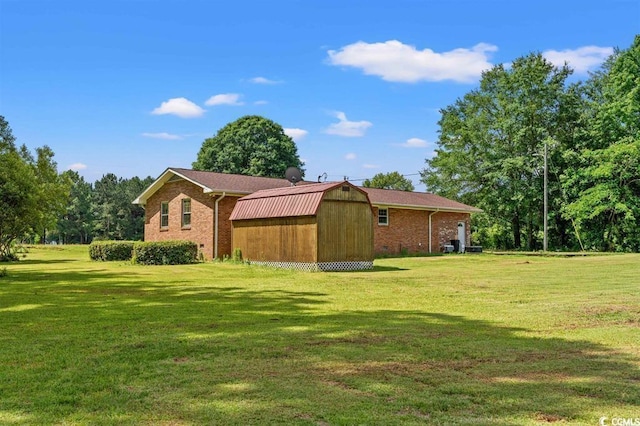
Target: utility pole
545 242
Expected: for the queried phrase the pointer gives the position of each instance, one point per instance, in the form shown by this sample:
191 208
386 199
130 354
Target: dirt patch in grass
611 315
532 377
350 340
549 418
602 316
408 411
347 387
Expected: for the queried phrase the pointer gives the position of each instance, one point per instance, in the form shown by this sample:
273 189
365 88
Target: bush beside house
165 252
111 250
145 253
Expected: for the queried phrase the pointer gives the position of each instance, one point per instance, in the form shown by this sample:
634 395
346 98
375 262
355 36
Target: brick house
196 205
417 222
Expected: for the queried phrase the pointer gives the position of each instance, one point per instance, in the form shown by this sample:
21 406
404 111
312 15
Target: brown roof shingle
237 184
419 200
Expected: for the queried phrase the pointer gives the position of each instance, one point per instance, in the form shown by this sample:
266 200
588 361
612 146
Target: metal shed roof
284 202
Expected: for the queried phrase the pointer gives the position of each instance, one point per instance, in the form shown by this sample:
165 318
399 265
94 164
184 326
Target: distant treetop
393 180
252 145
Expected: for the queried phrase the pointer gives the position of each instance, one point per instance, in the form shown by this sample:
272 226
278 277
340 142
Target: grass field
460 339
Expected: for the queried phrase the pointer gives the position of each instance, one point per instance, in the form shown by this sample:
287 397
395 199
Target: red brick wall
445 226
409 230
202 217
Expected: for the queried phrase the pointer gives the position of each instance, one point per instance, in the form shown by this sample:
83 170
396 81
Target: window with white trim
383 217
186 212
164 214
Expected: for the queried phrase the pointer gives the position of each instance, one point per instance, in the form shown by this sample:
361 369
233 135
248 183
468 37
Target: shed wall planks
345 231
292 239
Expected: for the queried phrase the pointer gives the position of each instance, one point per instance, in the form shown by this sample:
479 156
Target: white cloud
344 127
370 166
77 166
414 143
224 99
182 107
263 80
296 134
399 62
162 135
582 59
350 156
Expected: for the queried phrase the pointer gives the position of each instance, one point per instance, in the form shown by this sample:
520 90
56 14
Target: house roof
416 200
214 182
301 200
231 183
241 185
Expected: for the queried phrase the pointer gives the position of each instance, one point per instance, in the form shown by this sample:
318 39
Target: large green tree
32 193
490 149
251 145
18 200
392 180
53 189
604 184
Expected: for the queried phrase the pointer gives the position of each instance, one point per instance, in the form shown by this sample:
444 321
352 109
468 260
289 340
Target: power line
363 179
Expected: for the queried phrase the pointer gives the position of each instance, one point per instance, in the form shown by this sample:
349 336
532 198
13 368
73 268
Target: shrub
237 255
3 272
10 253
111 250
9 257
165 252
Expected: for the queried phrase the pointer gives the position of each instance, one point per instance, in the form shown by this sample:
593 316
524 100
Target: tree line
491 151
38 204
102 210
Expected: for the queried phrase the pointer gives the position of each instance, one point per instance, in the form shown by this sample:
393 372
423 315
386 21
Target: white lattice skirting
320 266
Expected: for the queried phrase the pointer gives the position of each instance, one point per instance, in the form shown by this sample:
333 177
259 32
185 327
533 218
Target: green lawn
471 339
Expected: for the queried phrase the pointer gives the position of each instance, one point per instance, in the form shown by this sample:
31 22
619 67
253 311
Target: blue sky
133 87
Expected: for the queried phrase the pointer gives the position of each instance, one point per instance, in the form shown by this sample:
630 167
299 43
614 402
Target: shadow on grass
379 268
38 262
146 352
376 268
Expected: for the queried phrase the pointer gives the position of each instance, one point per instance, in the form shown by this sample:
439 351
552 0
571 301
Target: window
164 214
383 217
186 213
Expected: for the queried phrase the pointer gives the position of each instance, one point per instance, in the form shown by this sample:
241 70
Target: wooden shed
320 226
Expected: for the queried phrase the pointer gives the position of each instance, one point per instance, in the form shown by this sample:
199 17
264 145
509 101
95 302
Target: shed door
462 235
